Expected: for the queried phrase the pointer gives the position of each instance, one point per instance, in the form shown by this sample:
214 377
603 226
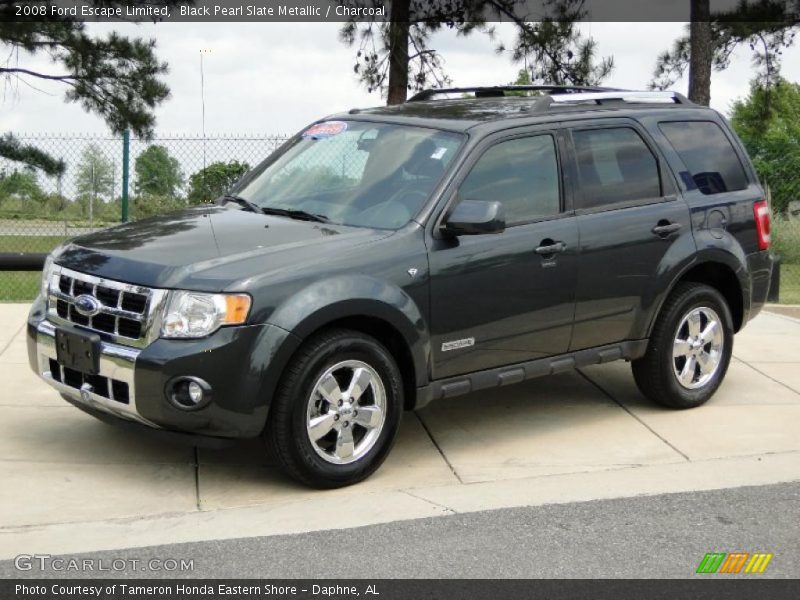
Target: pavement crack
780 315
444 508
197 478
627 410
11 339
438 448
757 370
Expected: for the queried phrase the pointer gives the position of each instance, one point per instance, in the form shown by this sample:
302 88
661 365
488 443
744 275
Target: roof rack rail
500 90
643 97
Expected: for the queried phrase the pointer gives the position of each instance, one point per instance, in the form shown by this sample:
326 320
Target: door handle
550 247
665 228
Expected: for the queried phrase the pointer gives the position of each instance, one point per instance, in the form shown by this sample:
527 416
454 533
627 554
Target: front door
499 299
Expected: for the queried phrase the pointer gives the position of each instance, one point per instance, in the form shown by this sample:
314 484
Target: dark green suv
387 257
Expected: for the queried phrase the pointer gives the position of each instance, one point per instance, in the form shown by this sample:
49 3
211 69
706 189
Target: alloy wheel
697 349
346 412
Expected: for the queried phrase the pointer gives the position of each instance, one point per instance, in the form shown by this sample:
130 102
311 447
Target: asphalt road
663 536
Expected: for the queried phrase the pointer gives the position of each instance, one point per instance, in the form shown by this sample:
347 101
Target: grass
786 243
790 284
19 286
58 221
22 286
786 240
29 243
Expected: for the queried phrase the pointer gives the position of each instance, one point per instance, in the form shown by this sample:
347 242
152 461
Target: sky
274 78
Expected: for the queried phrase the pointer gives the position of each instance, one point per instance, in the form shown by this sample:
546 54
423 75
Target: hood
206 248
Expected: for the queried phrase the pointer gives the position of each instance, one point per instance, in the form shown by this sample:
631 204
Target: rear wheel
337 410
689 350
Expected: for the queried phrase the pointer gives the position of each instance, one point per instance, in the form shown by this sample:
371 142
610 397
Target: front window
355 173
522 174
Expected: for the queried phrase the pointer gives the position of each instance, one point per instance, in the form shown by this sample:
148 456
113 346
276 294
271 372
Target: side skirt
510 374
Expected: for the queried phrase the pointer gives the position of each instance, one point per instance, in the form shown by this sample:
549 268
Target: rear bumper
759 265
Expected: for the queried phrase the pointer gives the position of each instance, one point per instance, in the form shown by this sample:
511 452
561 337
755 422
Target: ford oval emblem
86 305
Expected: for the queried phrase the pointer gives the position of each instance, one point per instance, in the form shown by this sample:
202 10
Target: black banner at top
221 11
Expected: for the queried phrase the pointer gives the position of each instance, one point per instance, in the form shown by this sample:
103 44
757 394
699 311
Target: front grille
124 309
106 387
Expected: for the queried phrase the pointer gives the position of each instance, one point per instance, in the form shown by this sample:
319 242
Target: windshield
355 173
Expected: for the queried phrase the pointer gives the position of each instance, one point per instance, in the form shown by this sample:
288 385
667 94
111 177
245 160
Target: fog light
188 393
195 392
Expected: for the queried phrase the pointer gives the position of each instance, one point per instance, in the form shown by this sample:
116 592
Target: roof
462 113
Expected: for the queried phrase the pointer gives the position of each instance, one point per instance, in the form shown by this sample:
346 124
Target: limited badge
457 344
325 130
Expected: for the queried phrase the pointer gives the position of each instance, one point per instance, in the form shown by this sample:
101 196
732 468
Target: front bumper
241 364
112 391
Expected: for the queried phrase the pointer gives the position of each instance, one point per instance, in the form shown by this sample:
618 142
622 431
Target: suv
387 257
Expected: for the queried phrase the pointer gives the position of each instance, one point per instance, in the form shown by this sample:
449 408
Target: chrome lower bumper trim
116 362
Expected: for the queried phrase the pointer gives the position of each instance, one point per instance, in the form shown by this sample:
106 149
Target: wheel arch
392 339
366 305
724 272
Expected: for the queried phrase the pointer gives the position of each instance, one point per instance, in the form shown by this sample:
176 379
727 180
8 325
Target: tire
666 373
314 390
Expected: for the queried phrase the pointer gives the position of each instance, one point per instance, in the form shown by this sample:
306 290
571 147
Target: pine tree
766 27
116 77
394 56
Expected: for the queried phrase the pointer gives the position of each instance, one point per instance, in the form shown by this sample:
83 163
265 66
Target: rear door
506 298
630 219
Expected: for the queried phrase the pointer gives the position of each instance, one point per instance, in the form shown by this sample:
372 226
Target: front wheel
689 350
336 413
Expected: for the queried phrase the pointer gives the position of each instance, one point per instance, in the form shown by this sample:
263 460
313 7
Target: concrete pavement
73 484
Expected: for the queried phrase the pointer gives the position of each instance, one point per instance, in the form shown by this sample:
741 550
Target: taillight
761 212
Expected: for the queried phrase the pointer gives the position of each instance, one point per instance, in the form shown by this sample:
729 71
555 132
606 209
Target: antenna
203 105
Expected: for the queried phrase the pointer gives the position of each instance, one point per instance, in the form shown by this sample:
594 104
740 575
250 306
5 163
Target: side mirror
473 217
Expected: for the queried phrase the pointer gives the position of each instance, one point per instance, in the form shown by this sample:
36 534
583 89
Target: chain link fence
776 161
165 174
171 172
786 245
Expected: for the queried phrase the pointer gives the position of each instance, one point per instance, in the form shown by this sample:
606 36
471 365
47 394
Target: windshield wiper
243 202
300 215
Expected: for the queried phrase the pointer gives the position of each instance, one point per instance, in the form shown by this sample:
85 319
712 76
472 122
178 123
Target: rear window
711 162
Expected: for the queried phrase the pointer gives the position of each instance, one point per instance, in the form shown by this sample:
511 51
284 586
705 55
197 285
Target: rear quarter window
713 167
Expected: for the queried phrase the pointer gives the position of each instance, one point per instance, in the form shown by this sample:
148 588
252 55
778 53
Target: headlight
195 315
47 273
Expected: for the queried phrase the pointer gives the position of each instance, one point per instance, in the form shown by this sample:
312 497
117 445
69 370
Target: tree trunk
398 52
701 52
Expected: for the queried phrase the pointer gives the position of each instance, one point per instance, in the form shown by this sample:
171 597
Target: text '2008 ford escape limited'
387 257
